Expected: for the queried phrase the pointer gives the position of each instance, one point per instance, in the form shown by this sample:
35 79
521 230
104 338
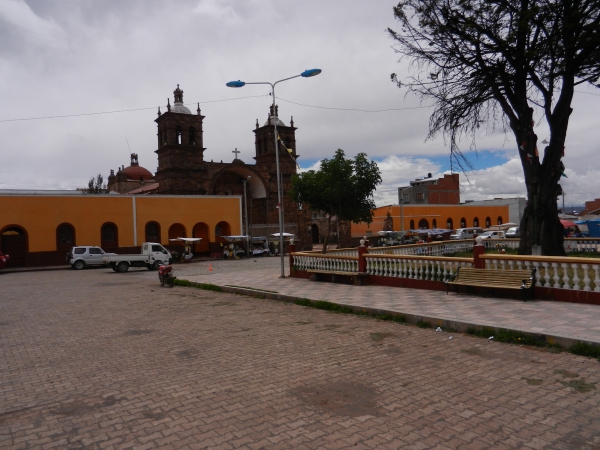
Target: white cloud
217 9
31 26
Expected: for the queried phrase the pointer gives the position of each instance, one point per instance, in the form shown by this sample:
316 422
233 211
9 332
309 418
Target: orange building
390 217
38 229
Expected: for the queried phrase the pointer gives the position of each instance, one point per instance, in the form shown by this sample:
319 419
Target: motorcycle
165 275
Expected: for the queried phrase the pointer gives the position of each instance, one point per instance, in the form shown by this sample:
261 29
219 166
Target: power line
353 109
125 110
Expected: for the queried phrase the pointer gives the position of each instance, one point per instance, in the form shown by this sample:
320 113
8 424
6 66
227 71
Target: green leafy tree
341 187
96 185
494 61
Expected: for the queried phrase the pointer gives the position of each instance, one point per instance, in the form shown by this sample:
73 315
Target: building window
406 198
488 222
153 232
420 196
499 220
434 224
412 224
475 222
463 222
65 237
192 136
109 236
449 224
423 224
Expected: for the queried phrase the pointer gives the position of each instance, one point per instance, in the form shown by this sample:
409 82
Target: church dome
270 121
137 172
179 108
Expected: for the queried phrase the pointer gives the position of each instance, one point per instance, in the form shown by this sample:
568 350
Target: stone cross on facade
236 151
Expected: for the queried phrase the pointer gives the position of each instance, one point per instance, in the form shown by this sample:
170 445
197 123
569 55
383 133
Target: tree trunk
327 233
540 225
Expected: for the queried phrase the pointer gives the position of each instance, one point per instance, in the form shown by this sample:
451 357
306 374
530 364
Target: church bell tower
180 150
264 142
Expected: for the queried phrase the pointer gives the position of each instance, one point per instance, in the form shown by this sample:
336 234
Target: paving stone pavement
95 359
559 319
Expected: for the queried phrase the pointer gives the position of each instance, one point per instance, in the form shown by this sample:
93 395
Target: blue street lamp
238 84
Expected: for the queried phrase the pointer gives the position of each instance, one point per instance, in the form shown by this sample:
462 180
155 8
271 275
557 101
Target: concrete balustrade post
362 261
478 250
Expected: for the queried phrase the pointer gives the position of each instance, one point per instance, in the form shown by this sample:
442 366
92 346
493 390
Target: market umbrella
567 223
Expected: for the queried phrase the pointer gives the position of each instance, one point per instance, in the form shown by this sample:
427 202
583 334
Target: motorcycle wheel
156 265
170 281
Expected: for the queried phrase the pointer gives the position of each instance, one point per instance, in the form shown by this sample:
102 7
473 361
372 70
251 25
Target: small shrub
585 349
400 318
422 324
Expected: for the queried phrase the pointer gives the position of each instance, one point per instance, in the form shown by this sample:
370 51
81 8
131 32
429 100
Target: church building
183 170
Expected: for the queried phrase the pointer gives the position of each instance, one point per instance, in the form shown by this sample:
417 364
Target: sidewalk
561 323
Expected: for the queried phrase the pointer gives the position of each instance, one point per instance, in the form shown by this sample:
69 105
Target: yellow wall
439 212
40 215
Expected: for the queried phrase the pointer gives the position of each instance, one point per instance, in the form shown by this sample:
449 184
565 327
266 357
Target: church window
164 135
160 139
178 135
192 136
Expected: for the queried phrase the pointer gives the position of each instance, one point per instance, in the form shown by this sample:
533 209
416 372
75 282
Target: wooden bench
523 280
356 277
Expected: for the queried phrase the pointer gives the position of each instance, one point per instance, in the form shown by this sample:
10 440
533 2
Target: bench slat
494 279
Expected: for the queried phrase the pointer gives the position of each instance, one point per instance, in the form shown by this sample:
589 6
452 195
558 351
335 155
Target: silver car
86 255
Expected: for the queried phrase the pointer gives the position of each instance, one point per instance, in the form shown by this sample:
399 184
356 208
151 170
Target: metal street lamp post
246 207
238 84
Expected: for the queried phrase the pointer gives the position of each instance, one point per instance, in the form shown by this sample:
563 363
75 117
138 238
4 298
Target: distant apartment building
430 191
591 208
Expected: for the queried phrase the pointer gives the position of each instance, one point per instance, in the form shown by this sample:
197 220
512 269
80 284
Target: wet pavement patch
137 332
352 399
186 354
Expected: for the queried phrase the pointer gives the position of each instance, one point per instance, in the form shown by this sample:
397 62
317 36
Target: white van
466 233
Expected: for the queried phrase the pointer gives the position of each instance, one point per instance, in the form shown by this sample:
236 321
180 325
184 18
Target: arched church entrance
261 212
14 243
201 230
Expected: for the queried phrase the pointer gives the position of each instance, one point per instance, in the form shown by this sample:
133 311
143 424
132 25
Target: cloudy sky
81 81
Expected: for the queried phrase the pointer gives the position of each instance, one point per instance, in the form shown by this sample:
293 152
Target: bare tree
494 61
96 186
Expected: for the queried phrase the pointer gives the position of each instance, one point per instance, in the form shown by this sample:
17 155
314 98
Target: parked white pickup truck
152 256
